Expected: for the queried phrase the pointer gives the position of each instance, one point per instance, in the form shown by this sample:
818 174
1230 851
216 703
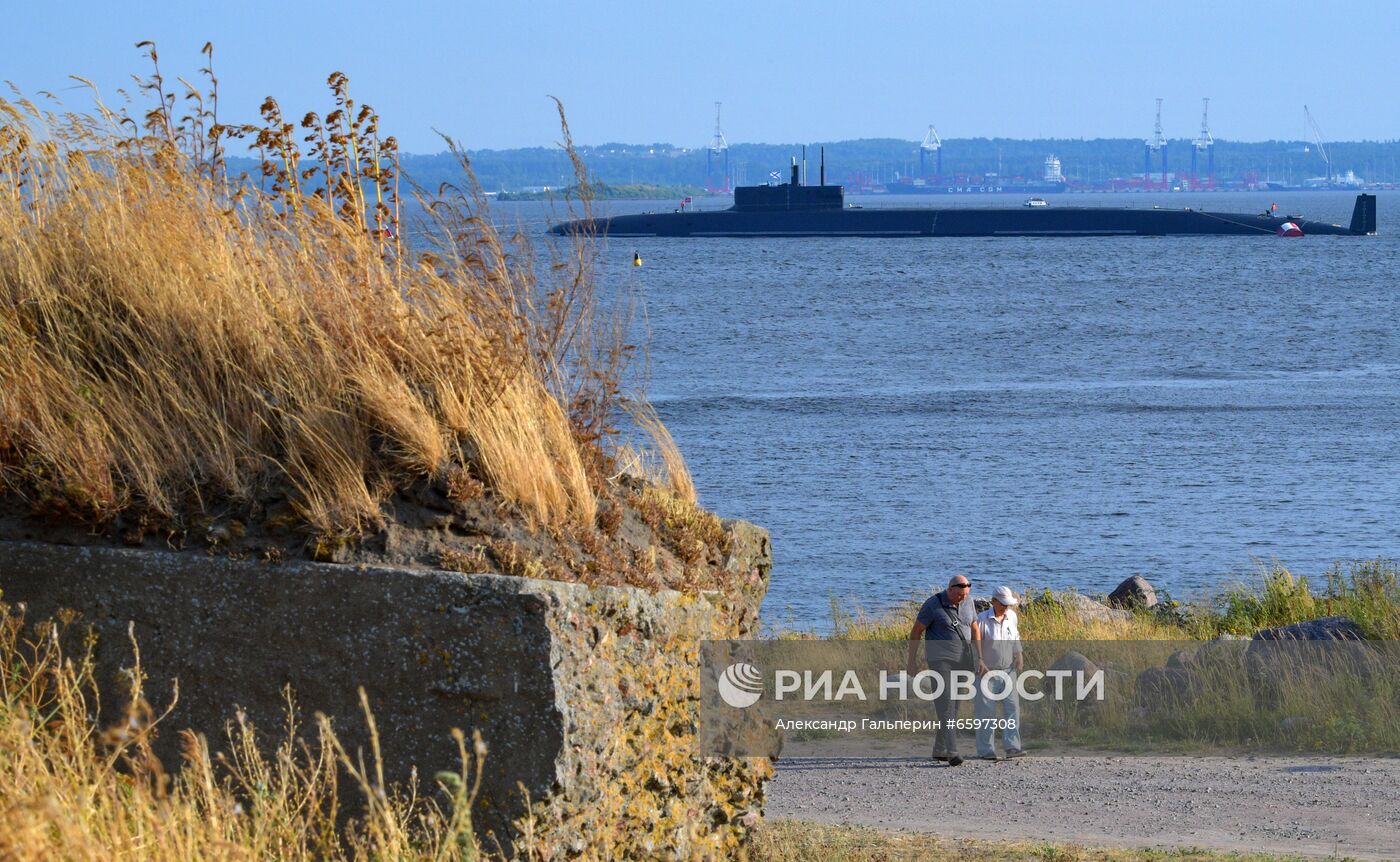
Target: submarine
794 209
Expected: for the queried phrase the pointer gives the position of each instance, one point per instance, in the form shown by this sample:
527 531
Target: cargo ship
987 185
1051 182
794 209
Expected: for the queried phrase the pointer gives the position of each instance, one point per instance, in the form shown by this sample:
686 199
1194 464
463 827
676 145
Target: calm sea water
1036 412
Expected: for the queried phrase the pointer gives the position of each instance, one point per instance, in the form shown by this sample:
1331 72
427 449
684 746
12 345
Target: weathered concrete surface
586 696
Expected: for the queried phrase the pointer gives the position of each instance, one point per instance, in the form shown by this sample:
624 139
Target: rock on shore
1135 592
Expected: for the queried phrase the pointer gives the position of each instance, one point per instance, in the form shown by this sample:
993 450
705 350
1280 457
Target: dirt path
1302 805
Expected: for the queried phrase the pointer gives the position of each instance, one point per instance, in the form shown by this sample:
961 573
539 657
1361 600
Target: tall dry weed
662 463
172 338
71 790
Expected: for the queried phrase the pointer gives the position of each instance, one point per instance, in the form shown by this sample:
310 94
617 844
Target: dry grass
663 464
1367 591
798 841
172 339
69 791
1039 620
1051 621
1042 621
693 534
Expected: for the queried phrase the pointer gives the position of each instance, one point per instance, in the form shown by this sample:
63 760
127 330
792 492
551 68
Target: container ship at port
794 209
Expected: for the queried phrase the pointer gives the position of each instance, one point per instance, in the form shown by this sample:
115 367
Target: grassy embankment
180 347
172 341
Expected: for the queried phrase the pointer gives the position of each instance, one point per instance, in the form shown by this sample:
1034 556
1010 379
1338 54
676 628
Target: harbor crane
1204 143
1157 143
932 144
1310 128
718 145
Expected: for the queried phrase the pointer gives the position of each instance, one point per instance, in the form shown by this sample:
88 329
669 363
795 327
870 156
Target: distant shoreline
602 191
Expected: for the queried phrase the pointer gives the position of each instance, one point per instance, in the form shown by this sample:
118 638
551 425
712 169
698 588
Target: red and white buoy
1289 228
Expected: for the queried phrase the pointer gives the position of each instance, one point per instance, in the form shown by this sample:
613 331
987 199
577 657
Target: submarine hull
1050 221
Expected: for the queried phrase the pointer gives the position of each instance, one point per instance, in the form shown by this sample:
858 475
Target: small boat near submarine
797 210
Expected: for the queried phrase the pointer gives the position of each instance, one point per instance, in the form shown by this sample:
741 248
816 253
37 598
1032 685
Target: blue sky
646 72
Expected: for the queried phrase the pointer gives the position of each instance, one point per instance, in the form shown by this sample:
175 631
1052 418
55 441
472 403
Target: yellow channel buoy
636 259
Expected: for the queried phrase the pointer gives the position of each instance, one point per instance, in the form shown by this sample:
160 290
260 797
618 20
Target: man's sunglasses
966 586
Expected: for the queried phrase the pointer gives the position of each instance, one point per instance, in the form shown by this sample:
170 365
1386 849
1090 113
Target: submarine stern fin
1363 216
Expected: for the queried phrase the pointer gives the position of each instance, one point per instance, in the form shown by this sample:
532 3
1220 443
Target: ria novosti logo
741 685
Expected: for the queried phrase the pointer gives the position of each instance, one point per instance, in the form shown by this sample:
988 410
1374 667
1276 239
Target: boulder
1336 628
1091 611
1310 654
1181 660
1080 607
1165 688
1084 668
1075 662
1225 653
1135 592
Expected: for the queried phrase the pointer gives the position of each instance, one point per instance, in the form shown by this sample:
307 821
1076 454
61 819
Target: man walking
998 646
947 638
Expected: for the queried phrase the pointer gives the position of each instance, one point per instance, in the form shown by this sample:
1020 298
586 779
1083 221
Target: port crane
1204 143
1310 128
718 145
1157 143
932 144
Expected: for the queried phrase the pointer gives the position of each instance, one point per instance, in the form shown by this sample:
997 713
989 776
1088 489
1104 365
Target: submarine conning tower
790 196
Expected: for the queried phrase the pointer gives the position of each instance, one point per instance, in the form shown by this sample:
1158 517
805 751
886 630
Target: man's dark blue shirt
938 616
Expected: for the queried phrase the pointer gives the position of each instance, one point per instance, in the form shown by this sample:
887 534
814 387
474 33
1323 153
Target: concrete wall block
587 697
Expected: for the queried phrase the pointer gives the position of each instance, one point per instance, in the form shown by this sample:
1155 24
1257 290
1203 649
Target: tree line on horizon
883 159
1088 161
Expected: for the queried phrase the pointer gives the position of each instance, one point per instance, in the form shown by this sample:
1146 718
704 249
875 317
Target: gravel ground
1347 806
